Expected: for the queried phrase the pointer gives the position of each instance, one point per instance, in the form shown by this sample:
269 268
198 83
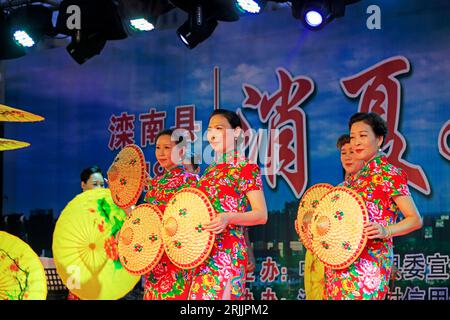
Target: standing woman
385 192
232 183
314 269
166 281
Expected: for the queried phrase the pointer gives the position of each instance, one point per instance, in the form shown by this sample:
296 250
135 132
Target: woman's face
95 181
350 164
363 141
167 154
221 136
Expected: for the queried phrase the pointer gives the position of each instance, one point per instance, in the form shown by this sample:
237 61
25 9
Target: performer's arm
251 264
412 221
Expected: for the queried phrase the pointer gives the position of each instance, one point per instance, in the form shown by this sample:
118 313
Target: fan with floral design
186 242
337 228
22 276
127 176
308 203
140 241
85 247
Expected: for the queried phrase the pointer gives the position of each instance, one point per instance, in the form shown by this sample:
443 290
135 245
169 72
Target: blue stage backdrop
281 78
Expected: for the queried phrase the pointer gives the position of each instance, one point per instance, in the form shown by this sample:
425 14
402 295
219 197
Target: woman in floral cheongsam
232 183
384 190
314 277
166 281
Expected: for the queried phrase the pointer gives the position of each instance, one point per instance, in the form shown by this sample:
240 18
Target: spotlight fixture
250 6
142 15
30 23
99 22
315 14
141 24
8 48
83 47
198 27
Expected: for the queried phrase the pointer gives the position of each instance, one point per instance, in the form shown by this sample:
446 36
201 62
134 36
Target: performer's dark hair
342 140
372 119
87 172
233 119
169 132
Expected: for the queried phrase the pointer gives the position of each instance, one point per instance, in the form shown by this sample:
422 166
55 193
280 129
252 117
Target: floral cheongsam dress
166 281
368 277
222 275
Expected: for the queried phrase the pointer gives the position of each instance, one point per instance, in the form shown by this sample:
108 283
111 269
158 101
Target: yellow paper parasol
16 115
308 203
127 175
140 240
22 276
186 243
314 277
85 248
7 144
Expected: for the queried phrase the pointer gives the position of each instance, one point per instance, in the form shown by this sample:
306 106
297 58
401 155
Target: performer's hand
129 209
218 224
251 264
375 230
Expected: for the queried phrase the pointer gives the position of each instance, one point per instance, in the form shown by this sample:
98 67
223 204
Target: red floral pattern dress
166 281
368 277
226 184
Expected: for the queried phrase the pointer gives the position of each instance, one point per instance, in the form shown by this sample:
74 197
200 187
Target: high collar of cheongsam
374 162
175 170
228 157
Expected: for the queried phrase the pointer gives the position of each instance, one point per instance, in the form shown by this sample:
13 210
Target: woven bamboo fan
140 241
308 203
337 228
126 176
186 243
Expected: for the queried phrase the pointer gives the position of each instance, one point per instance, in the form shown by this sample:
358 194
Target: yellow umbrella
314 277
22 276
85 248
7 144
16 115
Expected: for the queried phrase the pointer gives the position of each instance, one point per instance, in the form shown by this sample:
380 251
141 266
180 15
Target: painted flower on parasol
22 276
85 247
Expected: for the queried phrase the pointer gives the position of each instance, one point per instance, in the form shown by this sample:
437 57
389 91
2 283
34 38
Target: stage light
99 22
23 38
315 14
313 18
142 15
198 27
83 47
249 6
141 25
8 48
29 24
